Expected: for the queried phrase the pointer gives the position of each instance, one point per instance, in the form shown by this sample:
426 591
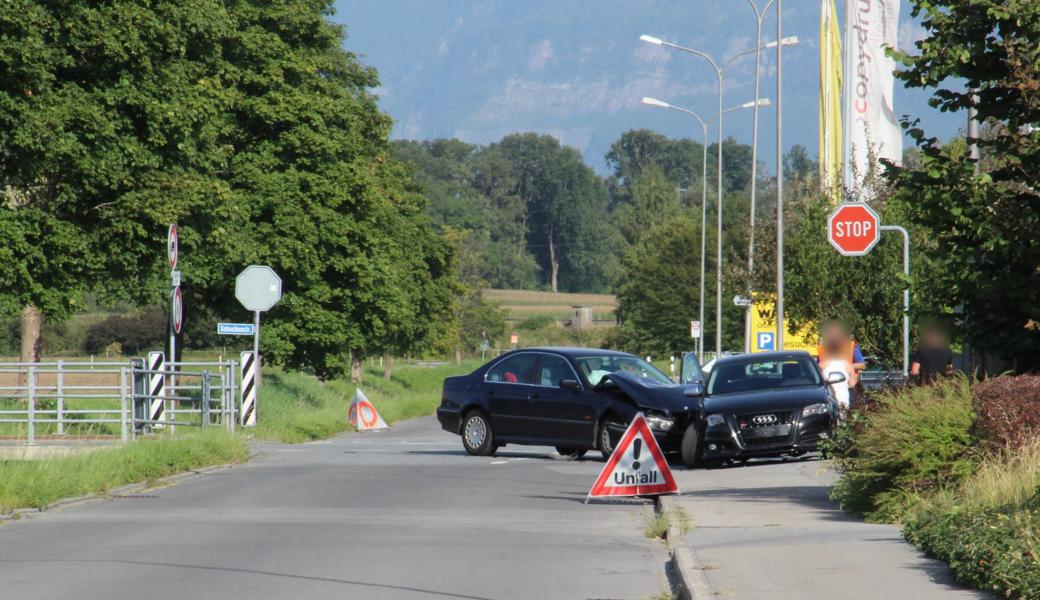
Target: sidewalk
768 531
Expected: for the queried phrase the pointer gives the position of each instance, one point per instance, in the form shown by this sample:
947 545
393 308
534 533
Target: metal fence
113 401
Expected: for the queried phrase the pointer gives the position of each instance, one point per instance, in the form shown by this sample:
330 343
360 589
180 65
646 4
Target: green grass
656 527
294 407
37 483
987 527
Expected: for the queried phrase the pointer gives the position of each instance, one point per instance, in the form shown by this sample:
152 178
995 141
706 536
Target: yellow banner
832 148
763 330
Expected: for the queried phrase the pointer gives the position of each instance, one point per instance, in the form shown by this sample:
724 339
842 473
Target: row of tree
534 215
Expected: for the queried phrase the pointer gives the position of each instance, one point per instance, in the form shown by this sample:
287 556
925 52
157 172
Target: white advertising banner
871 128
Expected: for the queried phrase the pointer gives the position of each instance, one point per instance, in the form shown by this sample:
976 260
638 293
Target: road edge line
692 581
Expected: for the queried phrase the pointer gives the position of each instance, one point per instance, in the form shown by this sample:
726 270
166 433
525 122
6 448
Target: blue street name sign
235 328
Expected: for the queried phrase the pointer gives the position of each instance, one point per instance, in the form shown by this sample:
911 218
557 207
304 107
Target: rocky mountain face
575 69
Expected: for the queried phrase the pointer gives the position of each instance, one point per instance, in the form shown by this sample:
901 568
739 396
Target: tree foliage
982 226
248 124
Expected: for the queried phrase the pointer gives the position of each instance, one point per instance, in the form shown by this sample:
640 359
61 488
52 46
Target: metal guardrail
72 400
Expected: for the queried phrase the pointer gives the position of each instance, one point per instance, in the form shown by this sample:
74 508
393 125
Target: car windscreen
749 376
596 368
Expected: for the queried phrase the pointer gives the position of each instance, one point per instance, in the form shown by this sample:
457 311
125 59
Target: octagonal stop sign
854 229
258 288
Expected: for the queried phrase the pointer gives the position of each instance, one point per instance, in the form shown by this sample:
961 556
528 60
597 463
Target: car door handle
532 396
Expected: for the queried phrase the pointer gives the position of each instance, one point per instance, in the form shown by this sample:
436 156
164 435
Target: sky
575 69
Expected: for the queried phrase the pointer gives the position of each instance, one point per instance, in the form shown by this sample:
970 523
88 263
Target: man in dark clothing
933 356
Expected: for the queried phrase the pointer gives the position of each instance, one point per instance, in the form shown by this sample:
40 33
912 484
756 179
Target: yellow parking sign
763 329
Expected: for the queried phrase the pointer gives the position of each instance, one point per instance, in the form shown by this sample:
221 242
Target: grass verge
988 527
37 483
294 407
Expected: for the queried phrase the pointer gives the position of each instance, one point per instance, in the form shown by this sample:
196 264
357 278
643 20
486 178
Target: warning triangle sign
362 415
637 466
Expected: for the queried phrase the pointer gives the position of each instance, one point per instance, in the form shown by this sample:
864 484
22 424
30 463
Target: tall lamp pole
719 74
704 192
759 16
779 179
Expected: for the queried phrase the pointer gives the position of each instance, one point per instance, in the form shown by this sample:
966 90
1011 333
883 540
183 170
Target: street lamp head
762 102
655 102
787 41
651 40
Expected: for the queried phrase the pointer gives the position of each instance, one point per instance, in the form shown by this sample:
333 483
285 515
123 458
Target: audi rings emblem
764 419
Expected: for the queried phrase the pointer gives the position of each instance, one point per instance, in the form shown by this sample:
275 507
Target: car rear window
515 369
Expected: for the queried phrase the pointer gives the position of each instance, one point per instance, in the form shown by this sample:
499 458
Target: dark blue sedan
576 399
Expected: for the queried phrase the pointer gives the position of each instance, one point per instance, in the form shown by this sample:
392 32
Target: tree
982 225
564 200
104 113
654 201
657 295
246 123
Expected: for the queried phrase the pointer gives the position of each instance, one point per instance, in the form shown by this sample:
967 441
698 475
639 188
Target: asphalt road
403 514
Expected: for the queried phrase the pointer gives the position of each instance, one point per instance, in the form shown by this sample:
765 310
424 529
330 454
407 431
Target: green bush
135 333
907 441
988 527
536 322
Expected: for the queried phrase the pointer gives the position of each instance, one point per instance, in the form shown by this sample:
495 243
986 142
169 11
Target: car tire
477 436
604 443
570 453
690 452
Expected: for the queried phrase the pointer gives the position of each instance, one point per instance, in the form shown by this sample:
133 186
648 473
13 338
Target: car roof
762 357
574 352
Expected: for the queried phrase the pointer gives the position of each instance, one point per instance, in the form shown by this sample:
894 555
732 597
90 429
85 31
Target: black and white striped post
248 389
156 388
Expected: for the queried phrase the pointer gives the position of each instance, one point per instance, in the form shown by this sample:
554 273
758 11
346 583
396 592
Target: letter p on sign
854 229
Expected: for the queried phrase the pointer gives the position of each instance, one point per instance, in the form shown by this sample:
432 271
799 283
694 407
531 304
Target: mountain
575 69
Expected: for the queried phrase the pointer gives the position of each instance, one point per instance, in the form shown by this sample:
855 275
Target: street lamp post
704 192
719 74
779 179
759 16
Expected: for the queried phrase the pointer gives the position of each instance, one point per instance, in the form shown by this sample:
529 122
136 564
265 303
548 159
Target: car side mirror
570 384
835 378
694 389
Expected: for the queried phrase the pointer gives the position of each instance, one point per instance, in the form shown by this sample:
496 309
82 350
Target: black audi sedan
576 399
768 404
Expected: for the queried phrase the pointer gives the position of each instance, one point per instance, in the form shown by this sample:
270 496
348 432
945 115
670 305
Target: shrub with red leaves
1008 409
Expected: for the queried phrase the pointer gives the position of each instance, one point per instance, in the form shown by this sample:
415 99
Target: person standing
836 344
933 356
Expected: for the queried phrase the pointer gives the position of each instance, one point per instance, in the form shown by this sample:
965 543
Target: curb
129 488
693 583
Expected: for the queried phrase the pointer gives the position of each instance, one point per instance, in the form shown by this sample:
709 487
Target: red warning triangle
637 466
362 415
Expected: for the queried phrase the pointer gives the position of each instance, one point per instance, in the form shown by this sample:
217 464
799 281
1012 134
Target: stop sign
854 229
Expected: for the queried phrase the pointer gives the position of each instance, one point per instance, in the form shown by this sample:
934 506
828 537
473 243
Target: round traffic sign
177 309
172 246
258 288
854 229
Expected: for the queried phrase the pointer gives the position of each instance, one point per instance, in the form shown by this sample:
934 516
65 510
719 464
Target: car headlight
816 409
714 420
660 423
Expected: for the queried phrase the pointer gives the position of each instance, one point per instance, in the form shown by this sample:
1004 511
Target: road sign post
258 288
173 246
854 229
